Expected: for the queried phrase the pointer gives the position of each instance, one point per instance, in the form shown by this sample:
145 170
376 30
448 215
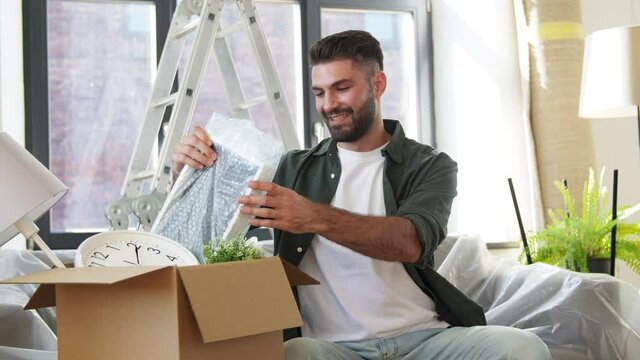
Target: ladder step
187 29
251 103
229 29
166 101
143 175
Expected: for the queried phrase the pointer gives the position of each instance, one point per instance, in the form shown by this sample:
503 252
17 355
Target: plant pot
601 265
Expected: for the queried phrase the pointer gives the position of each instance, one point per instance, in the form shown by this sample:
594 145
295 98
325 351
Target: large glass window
402 27
90 65
396 33
101 60
281 24
86 91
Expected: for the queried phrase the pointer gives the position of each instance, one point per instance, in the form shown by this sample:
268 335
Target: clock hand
137 248
137 256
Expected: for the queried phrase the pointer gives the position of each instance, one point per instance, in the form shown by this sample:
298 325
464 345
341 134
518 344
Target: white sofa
579 316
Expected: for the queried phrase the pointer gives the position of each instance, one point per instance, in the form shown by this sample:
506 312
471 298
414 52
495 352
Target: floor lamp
611 84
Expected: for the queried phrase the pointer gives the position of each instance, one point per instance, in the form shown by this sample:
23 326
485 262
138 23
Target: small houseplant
573 238
232 249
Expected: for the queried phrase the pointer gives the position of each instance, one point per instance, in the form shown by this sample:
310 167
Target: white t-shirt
359 297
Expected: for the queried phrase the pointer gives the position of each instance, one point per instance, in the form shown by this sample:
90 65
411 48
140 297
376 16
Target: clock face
131 248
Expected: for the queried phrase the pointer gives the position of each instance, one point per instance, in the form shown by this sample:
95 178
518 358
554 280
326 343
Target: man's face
345 97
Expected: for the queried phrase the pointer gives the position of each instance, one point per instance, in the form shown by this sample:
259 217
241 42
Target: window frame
36 76
421 12
36 92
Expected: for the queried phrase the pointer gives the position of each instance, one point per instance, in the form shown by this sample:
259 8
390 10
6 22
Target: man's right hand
194 150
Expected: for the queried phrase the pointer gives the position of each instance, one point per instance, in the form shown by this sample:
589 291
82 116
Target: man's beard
361 121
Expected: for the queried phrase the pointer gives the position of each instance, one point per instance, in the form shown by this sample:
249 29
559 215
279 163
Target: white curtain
482 115
11 82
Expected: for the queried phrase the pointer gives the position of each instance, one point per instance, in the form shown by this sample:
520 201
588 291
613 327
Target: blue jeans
474 343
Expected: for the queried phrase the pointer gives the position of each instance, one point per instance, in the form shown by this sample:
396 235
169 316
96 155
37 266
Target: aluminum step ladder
146 186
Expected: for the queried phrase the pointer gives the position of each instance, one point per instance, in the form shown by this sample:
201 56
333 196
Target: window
281 24
402 29
395 31
91 82
90 65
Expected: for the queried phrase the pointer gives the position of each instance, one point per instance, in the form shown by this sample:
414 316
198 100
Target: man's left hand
280 208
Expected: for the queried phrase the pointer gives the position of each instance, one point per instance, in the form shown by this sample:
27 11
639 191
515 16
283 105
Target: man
363 212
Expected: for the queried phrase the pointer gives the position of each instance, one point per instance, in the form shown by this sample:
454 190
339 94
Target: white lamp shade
27 188
611 73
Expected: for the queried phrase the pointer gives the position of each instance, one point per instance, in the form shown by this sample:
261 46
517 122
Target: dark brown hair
359 46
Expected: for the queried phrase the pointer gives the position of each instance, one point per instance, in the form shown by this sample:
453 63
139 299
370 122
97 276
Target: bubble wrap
203 206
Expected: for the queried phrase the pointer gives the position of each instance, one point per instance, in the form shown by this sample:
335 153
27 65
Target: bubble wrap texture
208 202
202 206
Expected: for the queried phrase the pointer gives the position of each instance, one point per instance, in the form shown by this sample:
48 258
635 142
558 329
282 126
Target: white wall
11 79
481 118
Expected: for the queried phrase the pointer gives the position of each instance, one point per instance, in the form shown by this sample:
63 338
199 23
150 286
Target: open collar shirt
419 184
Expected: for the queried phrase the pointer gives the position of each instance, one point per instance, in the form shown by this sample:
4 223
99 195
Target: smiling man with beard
348 132
363 212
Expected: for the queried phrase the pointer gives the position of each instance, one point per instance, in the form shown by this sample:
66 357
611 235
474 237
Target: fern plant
573 237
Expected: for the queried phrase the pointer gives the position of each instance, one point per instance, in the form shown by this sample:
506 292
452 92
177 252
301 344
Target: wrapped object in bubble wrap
578 315
202 205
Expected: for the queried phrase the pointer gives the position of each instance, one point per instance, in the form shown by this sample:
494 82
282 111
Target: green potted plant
576 239
233 249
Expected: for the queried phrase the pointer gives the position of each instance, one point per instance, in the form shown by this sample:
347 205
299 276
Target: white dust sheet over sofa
579 316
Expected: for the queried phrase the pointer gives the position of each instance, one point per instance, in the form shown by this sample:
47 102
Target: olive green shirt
419 184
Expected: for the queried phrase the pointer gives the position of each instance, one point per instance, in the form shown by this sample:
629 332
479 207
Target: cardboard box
232 310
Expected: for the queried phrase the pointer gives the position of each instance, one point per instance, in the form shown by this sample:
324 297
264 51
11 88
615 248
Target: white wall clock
131 248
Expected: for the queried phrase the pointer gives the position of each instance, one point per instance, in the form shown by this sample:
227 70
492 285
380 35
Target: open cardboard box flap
260 290
44 296
83 275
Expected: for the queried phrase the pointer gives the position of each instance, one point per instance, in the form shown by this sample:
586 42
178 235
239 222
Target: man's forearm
388 238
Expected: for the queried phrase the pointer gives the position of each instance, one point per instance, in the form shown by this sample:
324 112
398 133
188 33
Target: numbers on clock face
157 251
131 253
100 256
132 248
